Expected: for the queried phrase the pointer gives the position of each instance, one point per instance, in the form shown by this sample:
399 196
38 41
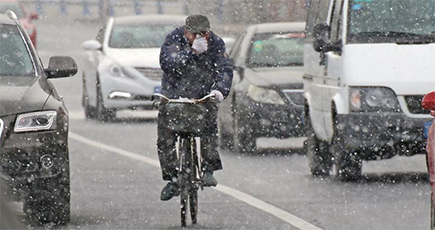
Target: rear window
14 56
277 49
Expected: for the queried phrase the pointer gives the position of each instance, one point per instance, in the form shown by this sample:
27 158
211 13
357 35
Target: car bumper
140 91
268 120
386 134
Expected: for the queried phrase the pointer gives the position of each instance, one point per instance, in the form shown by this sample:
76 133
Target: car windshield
277 49
139 36
14 57
4 6
391 20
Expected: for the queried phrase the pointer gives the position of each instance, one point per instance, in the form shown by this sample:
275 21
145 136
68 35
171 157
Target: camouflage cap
197 24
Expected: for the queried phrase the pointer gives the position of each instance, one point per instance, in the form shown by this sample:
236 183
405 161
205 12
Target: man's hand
200 44
218 95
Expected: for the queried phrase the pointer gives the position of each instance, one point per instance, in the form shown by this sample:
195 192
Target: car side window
100 35
237 46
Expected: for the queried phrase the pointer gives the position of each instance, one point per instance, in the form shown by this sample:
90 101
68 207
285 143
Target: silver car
122 69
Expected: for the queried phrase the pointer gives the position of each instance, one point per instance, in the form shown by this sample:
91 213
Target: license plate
426 128
157 89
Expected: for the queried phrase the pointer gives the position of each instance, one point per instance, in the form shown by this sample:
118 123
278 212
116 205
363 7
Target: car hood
149 58
280 77
406 69
20 96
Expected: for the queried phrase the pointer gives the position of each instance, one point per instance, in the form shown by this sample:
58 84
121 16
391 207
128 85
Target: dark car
33 126
266 99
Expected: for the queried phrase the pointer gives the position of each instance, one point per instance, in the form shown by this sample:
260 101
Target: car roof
4 19
277 27
151 19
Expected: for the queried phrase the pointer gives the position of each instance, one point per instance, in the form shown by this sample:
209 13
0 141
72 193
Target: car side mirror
322 42
428 102
61 66
34 16
92 45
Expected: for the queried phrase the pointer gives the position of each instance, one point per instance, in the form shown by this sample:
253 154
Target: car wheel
319 158
103 113
243 140
90 112
49 201
225 141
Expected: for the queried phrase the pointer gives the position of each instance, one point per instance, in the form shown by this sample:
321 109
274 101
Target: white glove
200 44
218 95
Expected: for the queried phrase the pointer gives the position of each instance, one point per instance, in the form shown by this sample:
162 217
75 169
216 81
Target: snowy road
112 188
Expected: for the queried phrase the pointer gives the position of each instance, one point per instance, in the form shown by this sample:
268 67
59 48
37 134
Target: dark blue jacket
189 75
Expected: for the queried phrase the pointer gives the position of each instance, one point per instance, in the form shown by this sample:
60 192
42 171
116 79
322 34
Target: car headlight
373 99
263 95
37 121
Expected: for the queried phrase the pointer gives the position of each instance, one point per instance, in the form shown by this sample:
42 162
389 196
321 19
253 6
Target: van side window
317 13
336 25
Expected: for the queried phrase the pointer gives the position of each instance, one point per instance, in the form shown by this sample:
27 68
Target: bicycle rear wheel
193 193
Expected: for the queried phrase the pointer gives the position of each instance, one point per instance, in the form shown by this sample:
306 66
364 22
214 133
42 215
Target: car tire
49 200
243 140
90 112
103 114
225 141
319 157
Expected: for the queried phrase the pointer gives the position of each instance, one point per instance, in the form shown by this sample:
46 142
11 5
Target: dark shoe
169 191
208 180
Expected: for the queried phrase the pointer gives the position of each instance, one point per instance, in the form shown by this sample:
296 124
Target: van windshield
392 21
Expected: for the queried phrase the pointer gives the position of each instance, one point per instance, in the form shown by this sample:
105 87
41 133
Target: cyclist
195 64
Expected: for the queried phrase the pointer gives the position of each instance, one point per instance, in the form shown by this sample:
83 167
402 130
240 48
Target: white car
122 69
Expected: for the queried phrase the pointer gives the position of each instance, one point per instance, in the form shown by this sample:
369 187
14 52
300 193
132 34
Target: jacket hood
148 58
279 77
18 95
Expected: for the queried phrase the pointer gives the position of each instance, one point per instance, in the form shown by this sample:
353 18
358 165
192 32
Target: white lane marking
248 199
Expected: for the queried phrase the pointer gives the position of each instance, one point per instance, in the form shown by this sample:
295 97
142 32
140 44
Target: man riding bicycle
195 64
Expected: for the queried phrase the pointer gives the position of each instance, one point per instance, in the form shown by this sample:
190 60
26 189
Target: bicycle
188 127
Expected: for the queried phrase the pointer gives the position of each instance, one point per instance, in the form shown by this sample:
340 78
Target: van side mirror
92 45
60 66
322 42
428 102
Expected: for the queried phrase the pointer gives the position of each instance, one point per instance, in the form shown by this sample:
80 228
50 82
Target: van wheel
319 158
348 165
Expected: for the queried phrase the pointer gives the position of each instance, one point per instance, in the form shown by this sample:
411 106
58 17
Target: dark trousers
166 139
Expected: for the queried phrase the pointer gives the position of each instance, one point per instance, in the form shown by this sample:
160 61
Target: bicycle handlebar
184 100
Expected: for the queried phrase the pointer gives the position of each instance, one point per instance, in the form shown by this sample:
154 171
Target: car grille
295 96
414 104
153 74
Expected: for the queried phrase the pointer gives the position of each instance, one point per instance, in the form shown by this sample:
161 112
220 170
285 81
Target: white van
368 63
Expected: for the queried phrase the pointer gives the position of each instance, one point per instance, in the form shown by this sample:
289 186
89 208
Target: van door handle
309 78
